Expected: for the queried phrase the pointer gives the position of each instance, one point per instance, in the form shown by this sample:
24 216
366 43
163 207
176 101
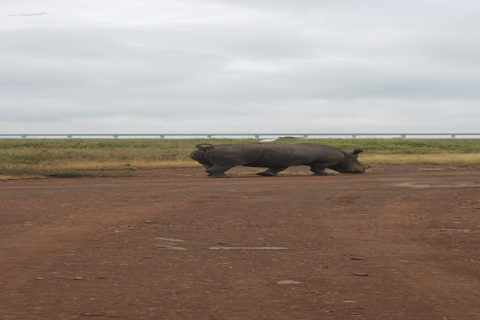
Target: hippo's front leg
217 171
318 169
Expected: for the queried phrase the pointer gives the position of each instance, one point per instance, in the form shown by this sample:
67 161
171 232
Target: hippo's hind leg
218 171
271 172
318 169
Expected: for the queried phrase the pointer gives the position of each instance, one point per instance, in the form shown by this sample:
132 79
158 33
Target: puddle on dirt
170 239
168 247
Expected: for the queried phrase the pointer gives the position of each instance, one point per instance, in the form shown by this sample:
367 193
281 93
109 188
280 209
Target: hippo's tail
204 146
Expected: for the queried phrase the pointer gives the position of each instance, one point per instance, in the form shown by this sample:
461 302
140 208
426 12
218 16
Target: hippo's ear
357 151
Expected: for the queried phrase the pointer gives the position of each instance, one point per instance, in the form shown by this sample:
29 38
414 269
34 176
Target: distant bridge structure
240 135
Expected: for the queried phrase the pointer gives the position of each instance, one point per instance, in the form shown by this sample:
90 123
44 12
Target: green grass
40 157
76 146
386 145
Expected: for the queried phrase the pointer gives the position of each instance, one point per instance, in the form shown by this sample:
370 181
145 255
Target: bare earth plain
398 242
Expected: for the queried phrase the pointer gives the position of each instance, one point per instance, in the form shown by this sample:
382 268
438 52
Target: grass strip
43 157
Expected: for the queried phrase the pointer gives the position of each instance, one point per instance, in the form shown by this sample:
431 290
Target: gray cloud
243 65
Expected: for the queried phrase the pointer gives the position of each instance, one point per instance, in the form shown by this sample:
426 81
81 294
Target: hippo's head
350 164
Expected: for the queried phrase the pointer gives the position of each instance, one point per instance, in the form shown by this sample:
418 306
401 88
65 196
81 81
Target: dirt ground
398 242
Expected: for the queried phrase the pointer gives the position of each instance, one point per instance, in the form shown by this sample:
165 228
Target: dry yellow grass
389 159
31 158
436 158
369 159
141 164
18 177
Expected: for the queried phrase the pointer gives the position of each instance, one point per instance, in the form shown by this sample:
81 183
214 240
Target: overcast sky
239 66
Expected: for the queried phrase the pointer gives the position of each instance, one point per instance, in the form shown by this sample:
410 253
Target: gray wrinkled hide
276 157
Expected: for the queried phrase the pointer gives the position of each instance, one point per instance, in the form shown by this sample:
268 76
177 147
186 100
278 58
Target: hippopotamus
217 159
